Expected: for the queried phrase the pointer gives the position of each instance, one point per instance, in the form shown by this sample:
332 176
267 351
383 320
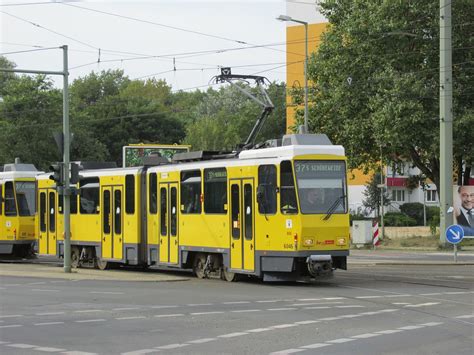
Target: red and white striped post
375 234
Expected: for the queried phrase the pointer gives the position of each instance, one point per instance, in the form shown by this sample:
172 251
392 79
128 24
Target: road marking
390 331
341 340
246 310
268 301
304 322
363 297
49 313
431 324
314 304
49 323
258 330
282 326
411 327
22 346
351 306
367 335
282 309
199 304
77 353
201 341
89 311
169 315
11 326
232 335
43 290
204 313
172 346
125 309
107 292
317 307
467 316
140 352
36 283
49 350
455 293
90 320
12 316
129 318
236 302
422 304
288 351
160 307
315 346
431 294
400 303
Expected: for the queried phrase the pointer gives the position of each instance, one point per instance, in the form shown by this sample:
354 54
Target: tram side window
42 212
215 191
152 194
10 204
73 204
288 202
191 192
130 194
267 185
26 197
89 201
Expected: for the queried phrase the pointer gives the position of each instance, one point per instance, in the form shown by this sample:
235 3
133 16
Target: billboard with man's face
463 197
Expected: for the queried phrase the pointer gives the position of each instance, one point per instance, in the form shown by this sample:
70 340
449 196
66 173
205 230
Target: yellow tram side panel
298 232
199 230
16 228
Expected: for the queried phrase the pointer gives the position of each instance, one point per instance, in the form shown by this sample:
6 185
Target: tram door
112 222
169 223
47 222
242 243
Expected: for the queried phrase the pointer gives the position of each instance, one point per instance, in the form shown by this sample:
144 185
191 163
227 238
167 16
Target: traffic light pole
67 144
67 140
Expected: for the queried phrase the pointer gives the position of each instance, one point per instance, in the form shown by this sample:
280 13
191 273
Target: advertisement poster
463 197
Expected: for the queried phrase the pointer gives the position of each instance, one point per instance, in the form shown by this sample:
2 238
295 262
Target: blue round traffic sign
454 234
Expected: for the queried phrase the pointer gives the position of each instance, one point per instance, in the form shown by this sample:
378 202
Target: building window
130 194
215 190
398 169
191 191
398 195
431 196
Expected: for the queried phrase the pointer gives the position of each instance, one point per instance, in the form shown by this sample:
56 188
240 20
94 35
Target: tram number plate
288 246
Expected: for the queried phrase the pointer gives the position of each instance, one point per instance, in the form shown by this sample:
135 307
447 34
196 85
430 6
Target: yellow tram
17 209
278 213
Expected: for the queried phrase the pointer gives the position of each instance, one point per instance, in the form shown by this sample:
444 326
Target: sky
182 42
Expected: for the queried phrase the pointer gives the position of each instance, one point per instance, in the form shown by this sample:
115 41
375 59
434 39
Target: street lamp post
290 19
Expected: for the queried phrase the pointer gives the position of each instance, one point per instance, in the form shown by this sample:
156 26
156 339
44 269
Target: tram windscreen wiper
333 207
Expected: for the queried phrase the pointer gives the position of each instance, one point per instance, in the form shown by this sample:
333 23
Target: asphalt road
374 308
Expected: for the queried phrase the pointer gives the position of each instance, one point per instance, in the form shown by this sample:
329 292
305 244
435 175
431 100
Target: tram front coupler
319 265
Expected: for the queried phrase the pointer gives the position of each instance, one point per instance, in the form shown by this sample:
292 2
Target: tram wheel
75 256
198 266
101 264
227 275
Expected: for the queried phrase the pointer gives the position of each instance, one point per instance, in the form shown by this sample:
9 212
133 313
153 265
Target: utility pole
445 117
67 144
66 149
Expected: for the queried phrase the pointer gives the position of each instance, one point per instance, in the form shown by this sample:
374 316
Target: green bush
432 213
413 210
398 219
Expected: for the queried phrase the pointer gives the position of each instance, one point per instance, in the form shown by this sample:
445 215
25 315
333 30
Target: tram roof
15 175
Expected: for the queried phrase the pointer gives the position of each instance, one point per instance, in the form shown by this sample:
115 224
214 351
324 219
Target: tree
225 117
372 195
376 82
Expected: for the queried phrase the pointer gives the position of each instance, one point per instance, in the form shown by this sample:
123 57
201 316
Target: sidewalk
408 257
55 272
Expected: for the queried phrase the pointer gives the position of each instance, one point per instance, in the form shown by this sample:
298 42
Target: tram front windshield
321 186
26 197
